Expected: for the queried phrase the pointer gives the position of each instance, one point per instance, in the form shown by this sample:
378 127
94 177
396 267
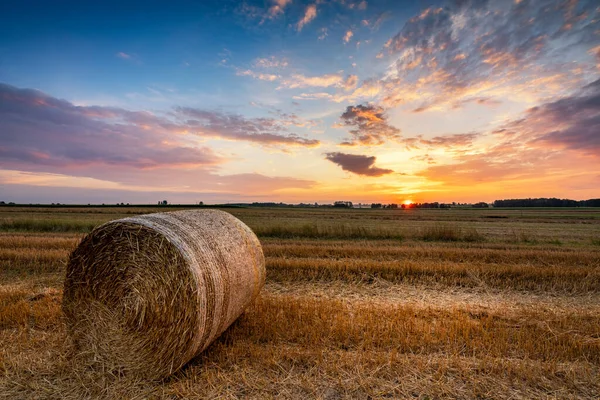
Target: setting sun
407 202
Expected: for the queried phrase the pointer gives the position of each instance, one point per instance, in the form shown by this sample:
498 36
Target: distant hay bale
144 295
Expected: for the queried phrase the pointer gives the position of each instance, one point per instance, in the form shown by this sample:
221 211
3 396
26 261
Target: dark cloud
357 164
370 126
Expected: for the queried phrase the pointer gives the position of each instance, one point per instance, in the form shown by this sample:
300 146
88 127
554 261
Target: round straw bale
144 295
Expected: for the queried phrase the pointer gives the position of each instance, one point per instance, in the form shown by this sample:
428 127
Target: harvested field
361 304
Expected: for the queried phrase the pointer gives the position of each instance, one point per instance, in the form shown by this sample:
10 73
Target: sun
407 202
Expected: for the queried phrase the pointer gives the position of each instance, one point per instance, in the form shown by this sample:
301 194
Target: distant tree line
546 202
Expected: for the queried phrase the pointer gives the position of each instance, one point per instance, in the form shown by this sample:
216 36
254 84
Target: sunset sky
299 101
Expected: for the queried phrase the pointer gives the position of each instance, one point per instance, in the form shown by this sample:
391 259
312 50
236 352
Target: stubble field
426 304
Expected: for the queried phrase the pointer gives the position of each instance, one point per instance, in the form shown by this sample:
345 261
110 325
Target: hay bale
144 295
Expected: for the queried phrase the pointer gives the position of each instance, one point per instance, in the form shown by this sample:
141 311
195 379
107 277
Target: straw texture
144 295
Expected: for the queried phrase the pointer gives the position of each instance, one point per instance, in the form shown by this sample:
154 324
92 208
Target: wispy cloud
264 131
450 141
310 13
257 75
354 4
324 32
357 164
350 82
278 7
287 118
123 55
313 96
270 11
301 81
271 62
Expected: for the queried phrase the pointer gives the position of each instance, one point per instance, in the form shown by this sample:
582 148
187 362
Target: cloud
278 7
297 80
287 118
449 141
596 52
369 124
310 13
302 81
425 158
271 62
352 4
257 75
350 82
263 131
124 56
270 11
133 150
40 129
473 48
348 35
375 23
554 142
369 89
313 96
357 164
485 101
572 122
323 34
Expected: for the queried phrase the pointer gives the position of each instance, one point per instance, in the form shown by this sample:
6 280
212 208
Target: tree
342 204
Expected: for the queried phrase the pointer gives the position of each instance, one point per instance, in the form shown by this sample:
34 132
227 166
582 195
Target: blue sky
293 100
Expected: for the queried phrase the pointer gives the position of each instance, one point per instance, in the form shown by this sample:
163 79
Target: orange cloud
445 56
369 124
301 81
310 13
278 7
348 35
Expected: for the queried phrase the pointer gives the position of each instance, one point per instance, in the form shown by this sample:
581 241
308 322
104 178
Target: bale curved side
147 294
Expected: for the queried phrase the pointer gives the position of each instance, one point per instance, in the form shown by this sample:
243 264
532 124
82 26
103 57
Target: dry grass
450 233
342 316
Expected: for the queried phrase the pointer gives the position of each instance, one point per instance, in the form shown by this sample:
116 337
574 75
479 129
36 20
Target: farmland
459 303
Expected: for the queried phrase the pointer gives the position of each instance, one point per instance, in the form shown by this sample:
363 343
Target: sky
298 101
